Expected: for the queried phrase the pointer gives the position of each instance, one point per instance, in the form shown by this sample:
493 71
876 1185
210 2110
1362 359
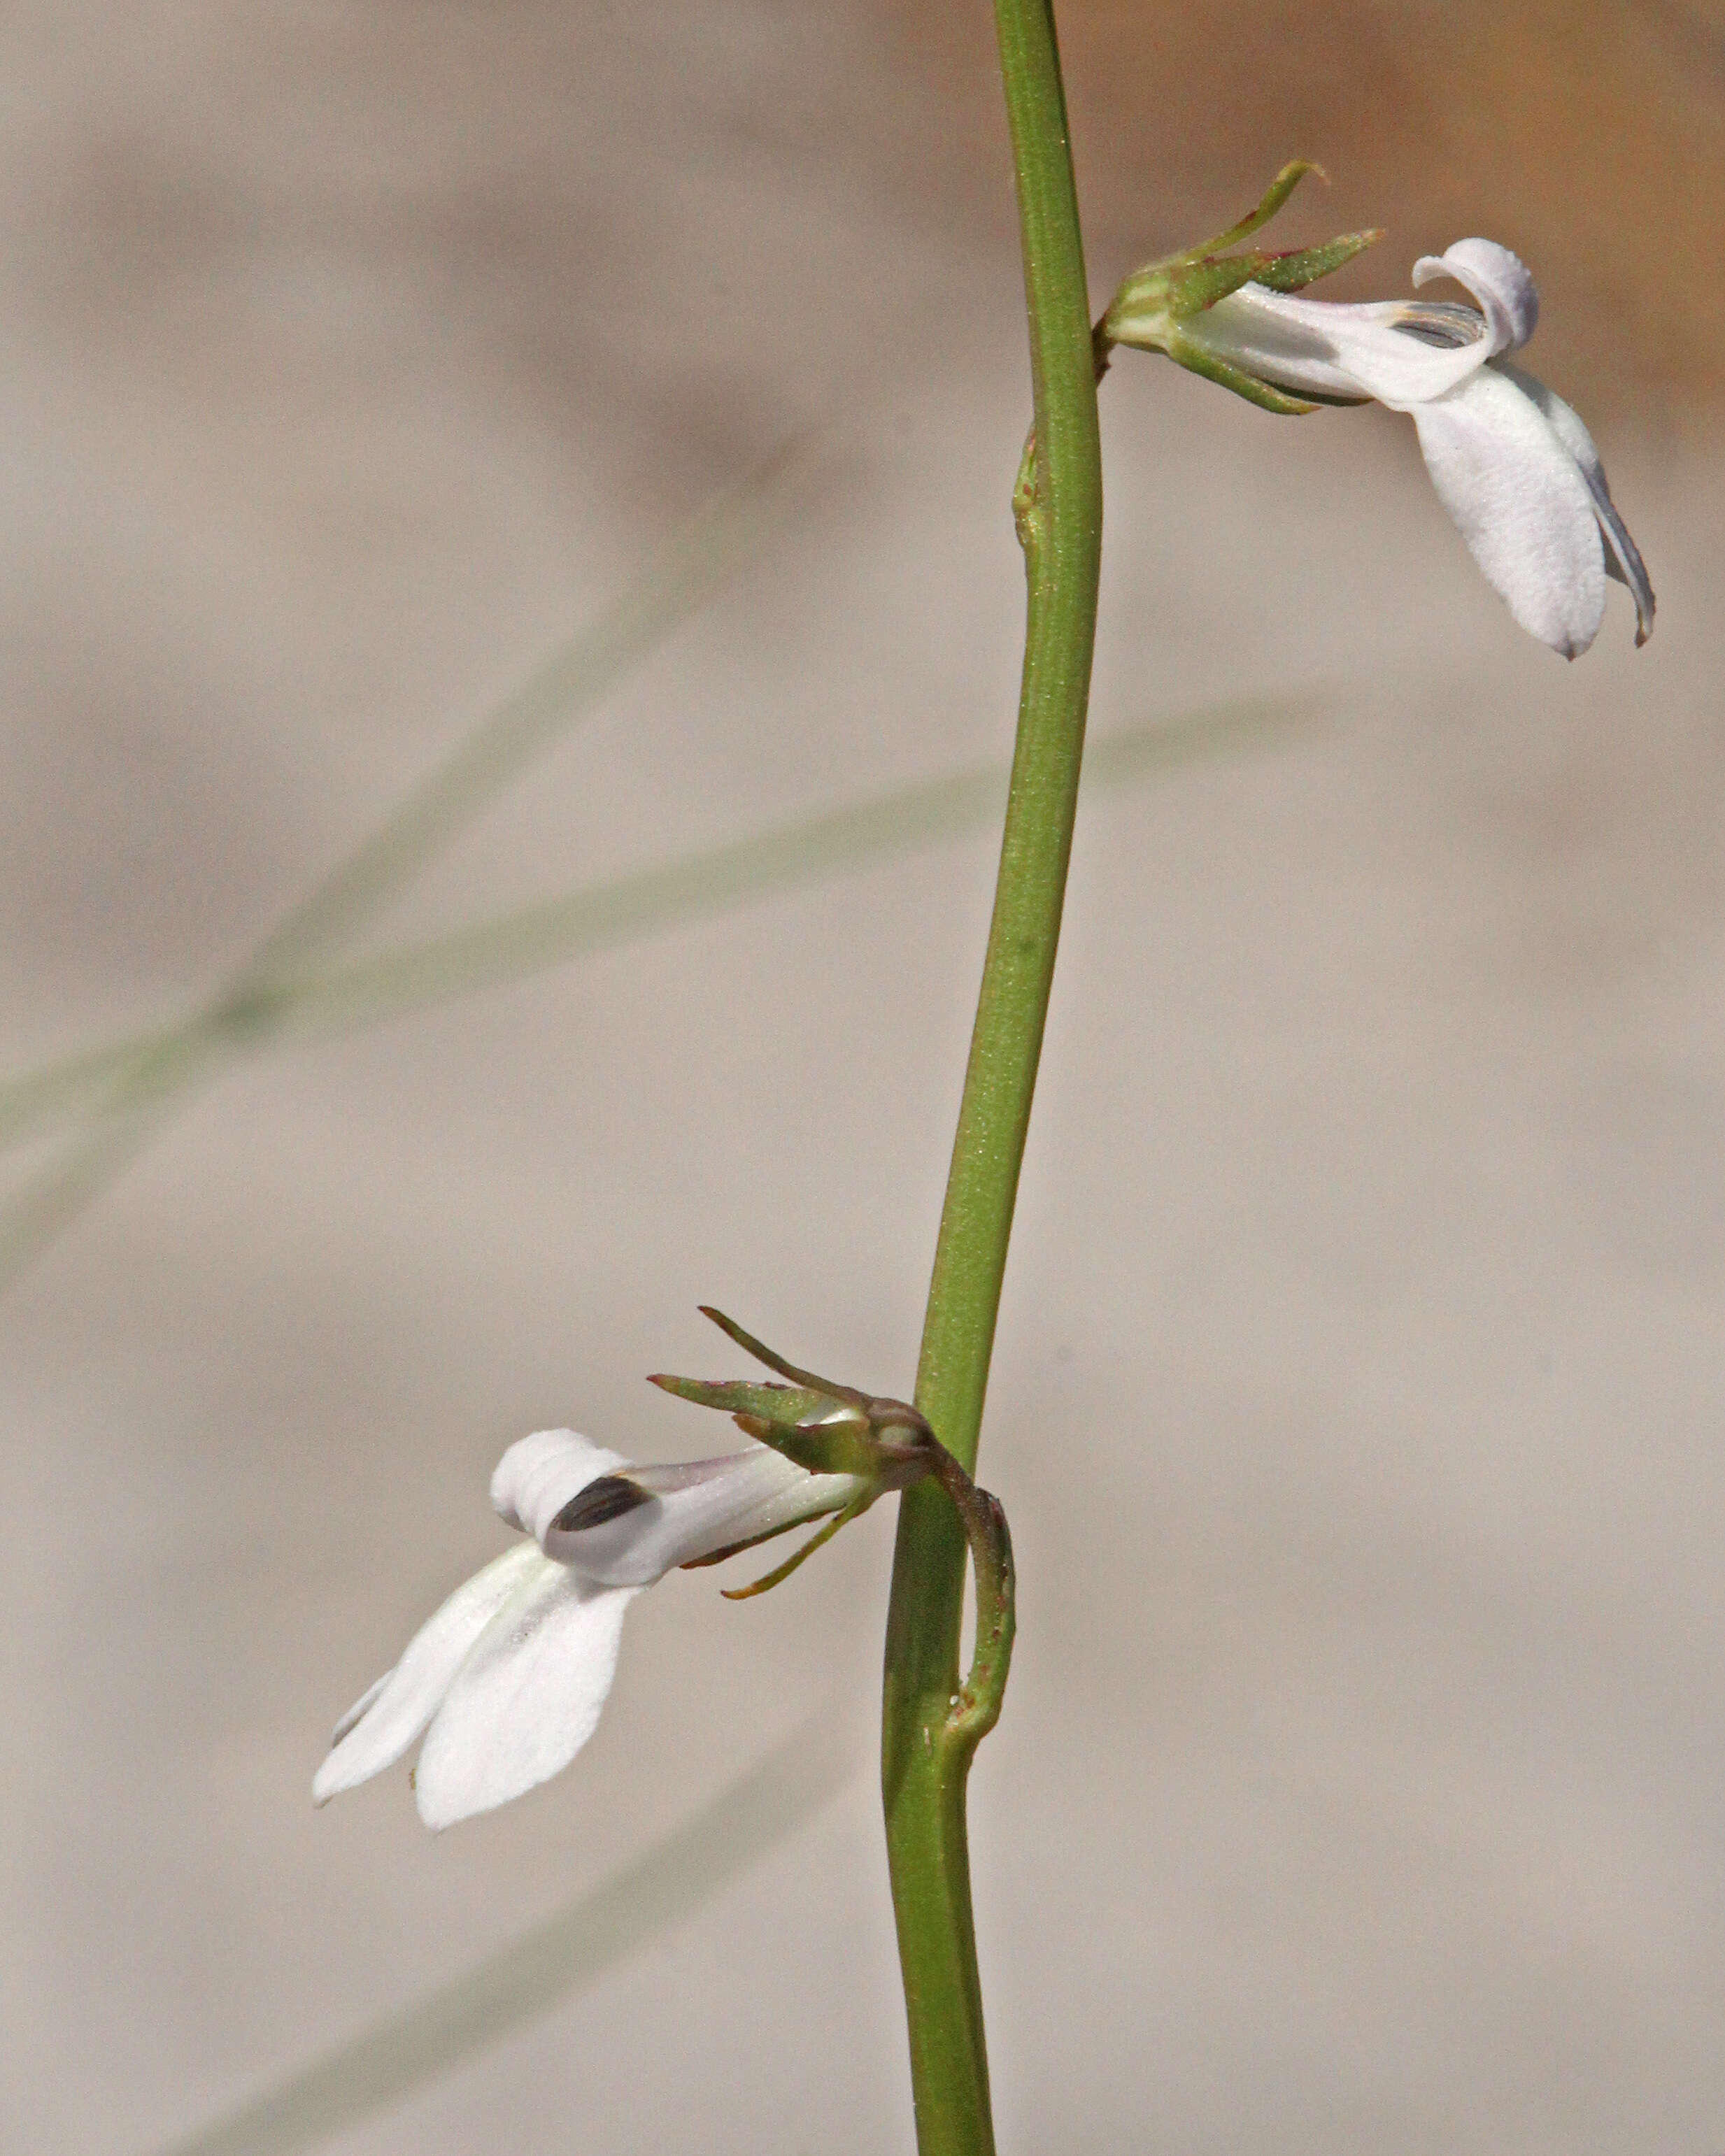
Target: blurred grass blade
556 930
684 573
35 1217
569 1952
55 1089
679 579
155 1069
154 1072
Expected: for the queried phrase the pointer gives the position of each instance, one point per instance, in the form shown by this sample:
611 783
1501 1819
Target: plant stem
928 1732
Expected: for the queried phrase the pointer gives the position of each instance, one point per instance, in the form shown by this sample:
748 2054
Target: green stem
929 1729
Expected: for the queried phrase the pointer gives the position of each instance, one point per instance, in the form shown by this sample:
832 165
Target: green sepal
827 1436
843 1519
1148 305
1280 187
1152 302
1278 192
826 1427
1264 394
1288 273
1206 282
762 1353
786 1405
844 1445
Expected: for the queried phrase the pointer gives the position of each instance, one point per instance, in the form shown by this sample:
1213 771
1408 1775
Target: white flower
1512 464
506 1681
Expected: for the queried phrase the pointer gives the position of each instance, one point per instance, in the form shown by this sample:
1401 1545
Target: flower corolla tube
1512 462
506 1681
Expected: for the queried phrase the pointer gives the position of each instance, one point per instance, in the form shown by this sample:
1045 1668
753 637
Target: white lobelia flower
1512 464
506 1681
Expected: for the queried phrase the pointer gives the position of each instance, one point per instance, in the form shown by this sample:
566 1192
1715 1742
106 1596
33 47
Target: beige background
1359 1397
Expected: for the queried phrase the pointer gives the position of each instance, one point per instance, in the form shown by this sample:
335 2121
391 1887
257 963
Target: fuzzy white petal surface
1501 283
379 1726
697 1507
538 1475
1518 499
526 1698
1336 350
1623 557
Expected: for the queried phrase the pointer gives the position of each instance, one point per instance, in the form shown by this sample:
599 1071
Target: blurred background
1361 1370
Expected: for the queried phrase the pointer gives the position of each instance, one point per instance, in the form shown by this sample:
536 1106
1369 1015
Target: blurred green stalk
149 1075
566 1953
686 571
128 1089
925 1752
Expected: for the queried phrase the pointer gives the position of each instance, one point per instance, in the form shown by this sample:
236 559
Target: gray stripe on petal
610 1498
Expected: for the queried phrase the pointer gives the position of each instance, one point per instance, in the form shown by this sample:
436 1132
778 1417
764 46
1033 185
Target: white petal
1501 283
698 1507
1623 557
378 1727
359 1708
526 1698
538 1475
1521 503
1339 351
